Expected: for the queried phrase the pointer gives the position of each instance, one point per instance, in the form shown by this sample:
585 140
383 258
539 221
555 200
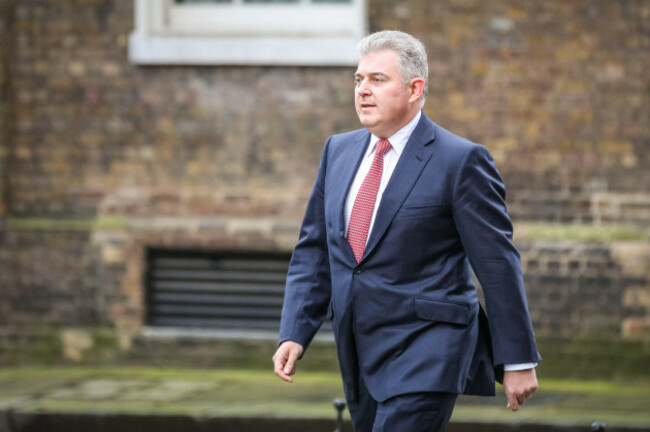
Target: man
399 212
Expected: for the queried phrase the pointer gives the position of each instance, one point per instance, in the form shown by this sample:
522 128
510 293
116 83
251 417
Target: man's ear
416 87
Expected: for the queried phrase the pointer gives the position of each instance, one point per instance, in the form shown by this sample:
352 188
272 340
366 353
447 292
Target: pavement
142 399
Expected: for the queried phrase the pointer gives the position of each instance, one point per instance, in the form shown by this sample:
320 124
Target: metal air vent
215 290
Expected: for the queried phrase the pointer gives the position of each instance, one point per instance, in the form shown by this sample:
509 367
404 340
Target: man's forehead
377 62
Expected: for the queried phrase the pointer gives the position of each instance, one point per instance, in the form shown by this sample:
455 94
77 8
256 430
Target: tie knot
382 147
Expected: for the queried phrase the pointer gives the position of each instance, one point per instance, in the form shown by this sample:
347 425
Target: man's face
383 102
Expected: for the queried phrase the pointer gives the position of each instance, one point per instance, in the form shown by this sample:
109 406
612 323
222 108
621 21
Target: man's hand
519 386
284 359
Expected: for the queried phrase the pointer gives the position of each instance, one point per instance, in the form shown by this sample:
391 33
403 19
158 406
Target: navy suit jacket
406 318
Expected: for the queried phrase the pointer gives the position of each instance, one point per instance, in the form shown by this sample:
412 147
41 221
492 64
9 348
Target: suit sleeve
308 288
485 230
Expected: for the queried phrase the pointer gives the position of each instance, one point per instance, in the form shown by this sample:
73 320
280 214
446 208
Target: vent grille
215 290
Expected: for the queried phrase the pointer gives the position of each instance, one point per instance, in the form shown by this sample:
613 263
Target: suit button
358 271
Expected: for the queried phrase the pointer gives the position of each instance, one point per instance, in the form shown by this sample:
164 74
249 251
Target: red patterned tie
364 204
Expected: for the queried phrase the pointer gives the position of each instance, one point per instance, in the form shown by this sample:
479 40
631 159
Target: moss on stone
251 393
577 358
582 233
594 358
104 223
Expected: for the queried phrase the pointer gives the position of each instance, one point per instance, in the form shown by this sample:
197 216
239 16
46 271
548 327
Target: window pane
201 1
271 1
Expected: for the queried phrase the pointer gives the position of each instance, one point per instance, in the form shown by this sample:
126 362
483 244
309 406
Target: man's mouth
366 105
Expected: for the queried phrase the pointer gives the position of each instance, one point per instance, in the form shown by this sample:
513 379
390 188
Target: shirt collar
398 140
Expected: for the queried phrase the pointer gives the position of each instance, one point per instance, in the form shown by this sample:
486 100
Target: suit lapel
414 158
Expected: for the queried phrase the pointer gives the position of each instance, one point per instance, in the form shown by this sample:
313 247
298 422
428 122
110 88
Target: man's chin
367 122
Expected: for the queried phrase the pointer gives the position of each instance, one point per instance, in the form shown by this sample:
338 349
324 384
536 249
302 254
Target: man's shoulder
350 136
453 141
459 149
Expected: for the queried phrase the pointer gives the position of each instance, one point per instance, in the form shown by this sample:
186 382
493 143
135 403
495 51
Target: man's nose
362 88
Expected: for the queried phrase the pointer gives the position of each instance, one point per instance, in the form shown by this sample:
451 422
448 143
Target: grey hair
411 54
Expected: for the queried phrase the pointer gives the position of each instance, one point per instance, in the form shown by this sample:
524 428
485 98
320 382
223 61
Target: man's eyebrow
357 74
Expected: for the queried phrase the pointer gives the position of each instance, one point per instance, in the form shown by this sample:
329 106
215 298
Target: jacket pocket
436 310
421 210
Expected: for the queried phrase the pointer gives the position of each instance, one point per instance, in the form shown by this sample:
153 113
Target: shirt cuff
519 366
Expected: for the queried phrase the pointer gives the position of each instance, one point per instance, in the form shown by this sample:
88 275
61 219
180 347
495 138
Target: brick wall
49 278
579 289
5 110
95 277
97 135
557 91
224 157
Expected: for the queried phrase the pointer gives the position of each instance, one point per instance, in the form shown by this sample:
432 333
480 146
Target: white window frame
239 33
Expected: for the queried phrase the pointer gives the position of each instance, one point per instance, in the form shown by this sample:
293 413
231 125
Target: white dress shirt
398 142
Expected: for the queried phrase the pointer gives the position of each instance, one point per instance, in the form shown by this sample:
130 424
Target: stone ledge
100 422
524 230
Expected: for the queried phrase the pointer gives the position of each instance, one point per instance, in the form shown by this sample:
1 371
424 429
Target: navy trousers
415 412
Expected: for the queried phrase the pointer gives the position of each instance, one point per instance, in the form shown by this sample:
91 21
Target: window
263 32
